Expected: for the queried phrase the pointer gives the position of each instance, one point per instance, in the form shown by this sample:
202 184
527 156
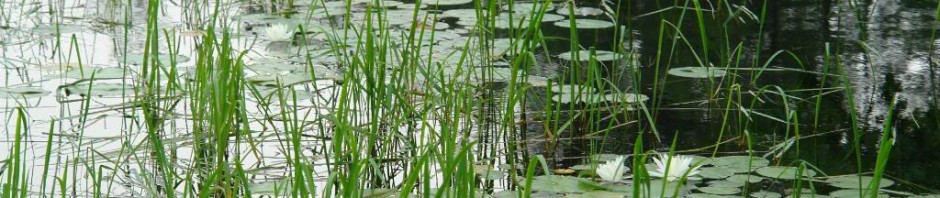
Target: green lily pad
926 196
100 89
379 192
810 195
706 195
765 194
697 72
784 172
657 189
488 173
745 178
572 88
854 193
740 164
585 24
714 172
585 55
726 183
562 184
51 28
598 194
855 182
581 11
446 2
99 73
285 80
720 190
276 187
138 59
22 92
626 98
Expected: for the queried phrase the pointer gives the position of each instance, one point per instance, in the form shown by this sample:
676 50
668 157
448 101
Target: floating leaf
783 172
658 189
100 89
765 194
598 194
22 92
726 183
854 193
446 2
856 182
697 72
285 80
137 59
379 192
572 89
276 187
585 55
810 195
740 164
99 73
714 172
585 24
581 11
720 190
563 184
52 28
626 97
745 178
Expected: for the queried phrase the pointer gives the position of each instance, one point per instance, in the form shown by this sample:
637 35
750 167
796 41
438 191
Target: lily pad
745 178
726 184
854 193
100 89
720 190
784 172
581 11
626 97
856 182
765 194
446 2
585 24
137 59
715 172
740 164
51 28
568 98
285 80
99 73
276 187
585 55
657 189
572 88
562 184
22 92
697 72
810 195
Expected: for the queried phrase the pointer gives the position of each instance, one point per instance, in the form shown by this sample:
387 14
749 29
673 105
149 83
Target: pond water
808 89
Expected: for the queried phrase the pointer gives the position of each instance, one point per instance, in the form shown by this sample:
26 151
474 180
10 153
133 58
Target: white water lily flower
279 32
678 167
612 170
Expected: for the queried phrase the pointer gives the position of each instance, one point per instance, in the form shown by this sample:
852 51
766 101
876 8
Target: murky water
885 49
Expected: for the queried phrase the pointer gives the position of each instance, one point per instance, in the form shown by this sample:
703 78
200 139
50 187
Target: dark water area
883 48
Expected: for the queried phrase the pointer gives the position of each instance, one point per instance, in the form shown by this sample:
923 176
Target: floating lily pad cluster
719 177
22 92
569 94
697 72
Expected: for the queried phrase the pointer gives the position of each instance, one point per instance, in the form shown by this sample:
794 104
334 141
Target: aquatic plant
612 170
279 32
673 167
